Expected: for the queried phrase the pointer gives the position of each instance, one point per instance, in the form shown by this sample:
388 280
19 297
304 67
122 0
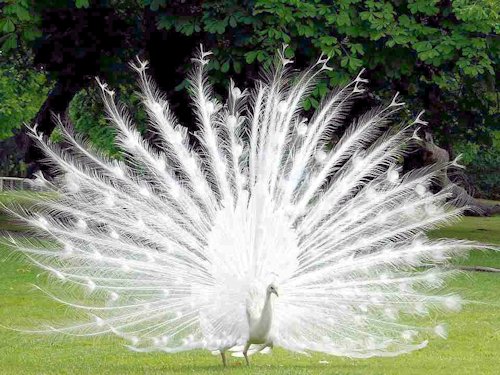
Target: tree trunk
460 197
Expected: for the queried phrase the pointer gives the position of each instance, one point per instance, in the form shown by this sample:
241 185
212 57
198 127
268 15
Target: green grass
473 346
481 229
22 197
489 202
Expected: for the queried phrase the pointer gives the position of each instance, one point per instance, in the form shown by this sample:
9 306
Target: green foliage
18 23
483 165
353 31
21 95
419 46
82 3
421 43
415 46
155 4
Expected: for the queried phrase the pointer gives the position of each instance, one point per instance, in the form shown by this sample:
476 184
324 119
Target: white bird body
259 322
260 327
179 248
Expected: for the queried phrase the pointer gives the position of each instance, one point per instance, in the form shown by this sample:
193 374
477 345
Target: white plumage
178 248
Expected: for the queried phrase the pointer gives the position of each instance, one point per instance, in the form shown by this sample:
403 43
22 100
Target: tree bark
432 154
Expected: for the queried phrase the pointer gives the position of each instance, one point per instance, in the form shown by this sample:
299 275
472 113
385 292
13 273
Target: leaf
422 46
261 56
186 28
213 64
31 34
155 4
355 63
357 48
166 22
289 53
344 61
9 43
225 67
216 26
237 66
306 105
82 3
22 13
321 89
250 56
8 26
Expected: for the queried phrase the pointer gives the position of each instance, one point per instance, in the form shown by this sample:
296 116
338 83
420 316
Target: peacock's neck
266 317
261 326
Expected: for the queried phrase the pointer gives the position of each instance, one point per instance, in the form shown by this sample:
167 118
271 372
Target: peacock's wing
132 233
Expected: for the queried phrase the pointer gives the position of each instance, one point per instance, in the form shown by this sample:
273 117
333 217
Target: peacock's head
272 289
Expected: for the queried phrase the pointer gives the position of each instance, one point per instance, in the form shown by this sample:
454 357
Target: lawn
473 346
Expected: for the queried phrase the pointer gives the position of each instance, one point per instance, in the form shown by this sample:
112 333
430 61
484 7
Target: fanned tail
165 246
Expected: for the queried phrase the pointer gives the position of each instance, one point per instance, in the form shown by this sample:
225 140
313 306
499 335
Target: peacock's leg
223 356
245 351
263 348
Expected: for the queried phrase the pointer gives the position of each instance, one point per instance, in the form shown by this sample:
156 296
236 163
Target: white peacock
266 234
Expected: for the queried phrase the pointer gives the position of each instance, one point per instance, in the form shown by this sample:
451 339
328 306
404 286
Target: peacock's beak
276 292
